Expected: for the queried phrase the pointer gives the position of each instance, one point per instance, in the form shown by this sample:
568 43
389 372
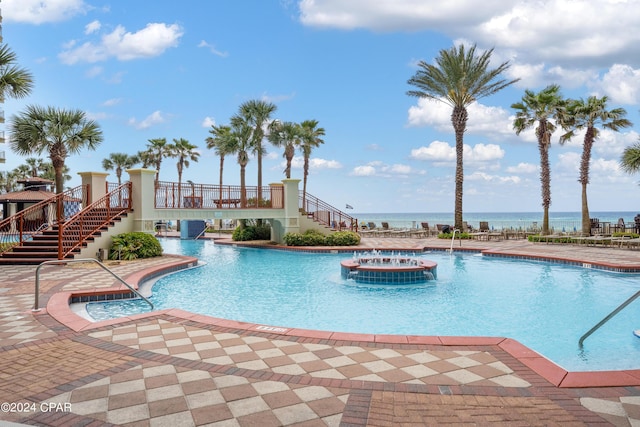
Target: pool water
545 306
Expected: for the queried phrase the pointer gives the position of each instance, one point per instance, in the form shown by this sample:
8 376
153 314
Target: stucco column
142 198
97 182
291 203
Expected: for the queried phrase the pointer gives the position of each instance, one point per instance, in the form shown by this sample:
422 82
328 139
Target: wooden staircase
44 246
65 238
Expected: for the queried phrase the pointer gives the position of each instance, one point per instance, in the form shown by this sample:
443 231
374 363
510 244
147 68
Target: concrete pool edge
58 307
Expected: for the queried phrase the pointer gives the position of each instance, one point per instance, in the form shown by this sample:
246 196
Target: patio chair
620 226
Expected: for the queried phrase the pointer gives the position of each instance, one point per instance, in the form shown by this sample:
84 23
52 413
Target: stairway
44 247
43 243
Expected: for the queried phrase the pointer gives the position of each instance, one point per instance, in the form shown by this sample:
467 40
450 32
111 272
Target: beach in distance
559 221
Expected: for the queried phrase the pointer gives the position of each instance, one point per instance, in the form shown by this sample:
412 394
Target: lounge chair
385 230
371 230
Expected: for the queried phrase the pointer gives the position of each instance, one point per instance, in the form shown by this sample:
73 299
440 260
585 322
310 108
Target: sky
162 69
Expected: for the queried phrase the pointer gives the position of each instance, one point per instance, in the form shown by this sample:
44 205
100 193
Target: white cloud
213 49
436 151
112 102
154 118
92 27
523 168
439 151
208 122
483 152
378 168
366 170
94 71
387 15
317 164
153 40
41 11
622 84
484 177
483 119
585 32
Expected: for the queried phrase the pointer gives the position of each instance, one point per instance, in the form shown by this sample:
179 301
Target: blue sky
172 69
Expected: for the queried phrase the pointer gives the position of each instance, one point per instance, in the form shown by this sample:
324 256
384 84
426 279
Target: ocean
558 221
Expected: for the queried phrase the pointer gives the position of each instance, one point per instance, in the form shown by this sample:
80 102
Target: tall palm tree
257 113
459 78
185 152
630 159
311 138
15 82
540 108
222 142
589 115
240 144
59 132
287 135
158 149
118 162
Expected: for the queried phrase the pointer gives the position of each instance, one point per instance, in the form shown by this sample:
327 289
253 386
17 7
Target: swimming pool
544 306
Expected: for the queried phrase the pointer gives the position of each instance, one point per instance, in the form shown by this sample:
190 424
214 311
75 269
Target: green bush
458 235
129 246
343 238
251 232
316 238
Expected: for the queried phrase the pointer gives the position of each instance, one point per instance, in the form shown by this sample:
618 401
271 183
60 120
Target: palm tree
459 78
630 159
240 144
287 135
540 108
222 143
49 173
311 138
157 149
58 131
589 114
147 158
257 114
185 152
36 165
118 162
15 82
22 172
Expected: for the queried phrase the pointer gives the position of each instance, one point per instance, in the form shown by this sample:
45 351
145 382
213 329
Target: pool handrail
609 316
36 307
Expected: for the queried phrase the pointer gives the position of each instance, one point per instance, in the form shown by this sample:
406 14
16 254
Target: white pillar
97 182
291 209
143 198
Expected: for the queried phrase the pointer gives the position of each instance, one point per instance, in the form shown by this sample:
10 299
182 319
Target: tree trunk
545 174
220 189
587 145
304 182
459 120
243 188
586 221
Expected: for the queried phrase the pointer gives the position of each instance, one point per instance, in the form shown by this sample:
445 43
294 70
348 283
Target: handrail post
606 319
36 306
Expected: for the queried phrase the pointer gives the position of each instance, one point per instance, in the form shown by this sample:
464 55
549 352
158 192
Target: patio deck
175 368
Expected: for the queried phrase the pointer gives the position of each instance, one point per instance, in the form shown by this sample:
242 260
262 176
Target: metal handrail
104 267
606 319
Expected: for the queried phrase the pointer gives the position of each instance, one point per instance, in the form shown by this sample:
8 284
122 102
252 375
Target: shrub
129 246
251 232
458 235
343 238
316 238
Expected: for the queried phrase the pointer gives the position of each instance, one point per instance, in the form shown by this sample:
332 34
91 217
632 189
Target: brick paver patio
176 368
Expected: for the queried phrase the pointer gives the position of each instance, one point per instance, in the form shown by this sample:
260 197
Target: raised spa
378 268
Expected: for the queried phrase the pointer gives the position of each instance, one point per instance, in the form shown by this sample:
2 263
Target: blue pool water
544 306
